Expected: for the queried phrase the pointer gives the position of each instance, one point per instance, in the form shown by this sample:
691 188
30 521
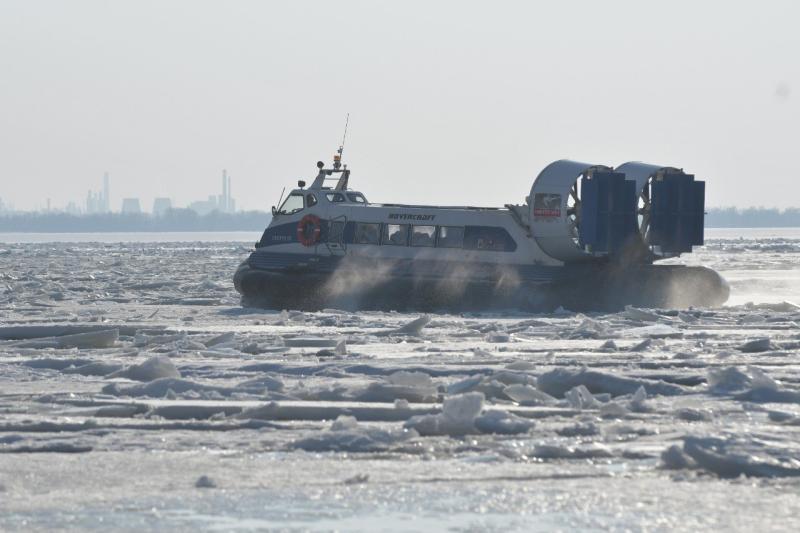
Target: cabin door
335 241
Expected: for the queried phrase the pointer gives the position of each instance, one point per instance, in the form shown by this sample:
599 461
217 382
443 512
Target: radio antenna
337 159
346 123
281 197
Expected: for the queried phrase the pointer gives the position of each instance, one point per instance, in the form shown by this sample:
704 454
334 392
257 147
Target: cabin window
423 235
335 197
451 237
357 197
395 234
336 232
366 233
292 204
488 238
311 200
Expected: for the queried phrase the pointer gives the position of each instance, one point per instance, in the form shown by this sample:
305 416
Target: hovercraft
587 238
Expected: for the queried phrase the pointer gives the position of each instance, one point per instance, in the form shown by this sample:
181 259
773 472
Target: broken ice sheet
261 404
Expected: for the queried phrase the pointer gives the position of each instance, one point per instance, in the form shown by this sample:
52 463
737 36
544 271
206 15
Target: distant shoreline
174 220
261 229
187 220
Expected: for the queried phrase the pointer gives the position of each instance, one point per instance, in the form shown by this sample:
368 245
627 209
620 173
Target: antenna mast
337 159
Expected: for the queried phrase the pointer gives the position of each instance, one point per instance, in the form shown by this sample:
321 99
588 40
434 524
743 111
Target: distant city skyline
99 202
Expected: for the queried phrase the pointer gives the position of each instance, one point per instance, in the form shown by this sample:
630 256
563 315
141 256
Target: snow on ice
132 380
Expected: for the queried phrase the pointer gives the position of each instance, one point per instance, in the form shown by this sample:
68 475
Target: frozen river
135 393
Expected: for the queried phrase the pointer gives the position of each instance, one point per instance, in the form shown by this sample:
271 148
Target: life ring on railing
308 230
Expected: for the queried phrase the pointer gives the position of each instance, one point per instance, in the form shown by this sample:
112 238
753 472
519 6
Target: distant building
226 204
161 206
130 206
204 207
106 200
2 206
72 209
99 202
223 203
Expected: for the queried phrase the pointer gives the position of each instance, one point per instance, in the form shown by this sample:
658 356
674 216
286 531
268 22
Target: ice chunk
640 314
353 440
782 307
91 339
410 386
310 342
464 407
656 331
756 345
760 380
225 338
502 422
560 451
673 458
730 459
142 339
56 364
512 378
727 380
580 398
580 429
389 392
457 417
590 329
613 410
769 395
557 382
156 367
497 337
341 348
159 388
751 385
344 423
267 381
639 396
413 328
521 366
641 346
527 395
480 352
609 346
410 379
51 447
691 414
98 368
465 385
119 411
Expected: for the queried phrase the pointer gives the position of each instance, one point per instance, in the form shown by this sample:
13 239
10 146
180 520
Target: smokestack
106 198
229 206
224 202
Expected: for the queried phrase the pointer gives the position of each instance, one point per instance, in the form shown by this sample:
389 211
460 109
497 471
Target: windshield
356 197
293 204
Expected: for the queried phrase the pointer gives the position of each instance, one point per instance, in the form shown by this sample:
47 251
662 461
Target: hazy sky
449 102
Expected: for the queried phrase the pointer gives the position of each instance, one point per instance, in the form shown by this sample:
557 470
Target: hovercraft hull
578 288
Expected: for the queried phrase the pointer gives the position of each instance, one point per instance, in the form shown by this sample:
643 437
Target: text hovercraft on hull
587 238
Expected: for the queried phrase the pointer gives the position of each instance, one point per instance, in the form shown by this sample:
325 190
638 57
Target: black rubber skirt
577 288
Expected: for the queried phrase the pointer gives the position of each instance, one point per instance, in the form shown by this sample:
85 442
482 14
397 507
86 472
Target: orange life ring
308 230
